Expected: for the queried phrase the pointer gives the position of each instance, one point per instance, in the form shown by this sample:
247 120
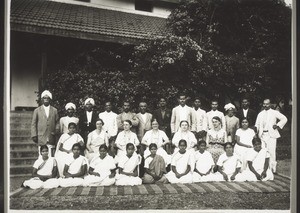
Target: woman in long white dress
128 168
159 138
64 146
125 137
185 134
181 165
258 167
101 170
95 139
243 144
44 174
75 168
69 118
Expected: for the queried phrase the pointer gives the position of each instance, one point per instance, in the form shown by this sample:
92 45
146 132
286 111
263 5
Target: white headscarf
70 105
89 100
229 106
46 93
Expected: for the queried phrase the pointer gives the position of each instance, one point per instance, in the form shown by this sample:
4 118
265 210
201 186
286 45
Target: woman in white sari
258 163
181 165
125 137
44 174
95 139
75 168
64 146
229 165
101 170
159 138
128 168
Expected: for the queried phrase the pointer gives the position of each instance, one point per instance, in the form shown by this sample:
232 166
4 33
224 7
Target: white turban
89 100
46 92
70 105
229 106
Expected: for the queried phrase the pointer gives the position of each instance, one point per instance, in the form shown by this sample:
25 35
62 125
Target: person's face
245 104
202 147
184 126
245 124
88 107
229 150
162 102
72 129
126 107
108 106
153 150
257 147
99 125
130 150
44 153
76 151
230 112
143 107
182 147
182 100
70 112
197 103
102 153
216 123
155 125
266 104
214 105
46 100
126 126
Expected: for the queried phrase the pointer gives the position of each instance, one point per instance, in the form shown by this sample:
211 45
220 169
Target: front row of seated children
102 170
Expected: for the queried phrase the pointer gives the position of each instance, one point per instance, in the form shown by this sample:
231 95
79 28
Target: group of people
182 145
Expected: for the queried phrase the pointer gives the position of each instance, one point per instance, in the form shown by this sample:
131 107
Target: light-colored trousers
270 144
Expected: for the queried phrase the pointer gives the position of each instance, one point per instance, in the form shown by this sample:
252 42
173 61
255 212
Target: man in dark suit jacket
45 124
246 112
87 119
163 117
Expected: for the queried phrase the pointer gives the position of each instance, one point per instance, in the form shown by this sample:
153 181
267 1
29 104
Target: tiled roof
71 20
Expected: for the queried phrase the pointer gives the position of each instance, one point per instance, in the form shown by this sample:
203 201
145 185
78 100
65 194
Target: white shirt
183 113
212 114
245 112
201 122
110 122
47 109
89 116
144 117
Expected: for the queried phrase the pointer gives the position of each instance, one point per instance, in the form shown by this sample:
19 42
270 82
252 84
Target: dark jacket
164 123
84 126
251 116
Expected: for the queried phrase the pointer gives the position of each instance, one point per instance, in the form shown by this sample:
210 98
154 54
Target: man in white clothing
215 112
180 113
200 117
267 128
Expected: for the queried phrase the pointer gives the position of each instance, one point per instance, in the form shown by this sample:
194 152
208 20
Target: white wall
124 4
24 83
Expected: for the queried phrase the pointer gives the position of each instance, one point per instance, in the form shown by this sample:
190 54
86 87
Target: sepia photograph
150 105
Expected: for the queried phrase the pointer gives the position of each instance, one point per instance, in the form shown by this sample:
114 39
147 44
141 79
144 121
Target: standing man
87 119
110 125
45 124
267 128
215 112
163 117
127 115
246 112
144 120
180 113
201 120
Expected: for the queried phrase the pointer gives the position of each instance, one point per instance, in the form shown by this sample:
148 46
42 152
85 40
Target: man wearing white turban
232 122
45 123
64 121
88 119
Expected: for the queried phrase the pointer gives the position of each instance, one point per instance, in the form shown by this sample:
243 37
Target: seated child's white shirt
204 161
257 158
75 164
47 168
229 164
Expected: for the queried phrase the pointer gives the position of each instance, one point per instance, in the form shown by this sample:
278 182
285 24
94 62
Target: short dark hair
184 121
128 121
228 143
201 142
99 119
76 144
182 141
103 146
44 147
256 140
128 145
72 124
